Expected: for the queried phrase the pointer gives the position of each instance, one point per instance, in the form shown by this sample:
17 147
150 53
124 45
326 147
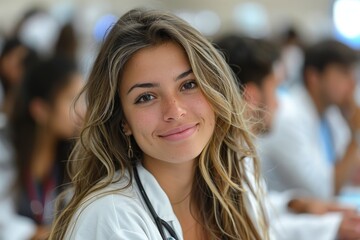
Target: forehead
155 63
167 52
336 72
337 67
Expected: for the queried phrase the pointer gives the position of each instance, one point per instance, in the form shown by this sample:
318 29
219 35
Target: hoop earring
130 150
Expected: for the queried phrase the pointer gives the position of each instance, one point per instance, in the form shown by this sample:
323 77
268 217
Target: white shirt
293 156
286 225
123 214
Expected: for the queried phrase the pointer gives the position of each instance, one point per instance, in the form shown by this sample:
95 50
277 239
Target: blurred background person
292 56
255 63
67 42
42 127
15 59
29 13
311 147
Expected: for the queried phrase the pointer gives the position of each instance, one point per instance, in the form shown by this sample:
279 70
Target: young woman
42 127
161 155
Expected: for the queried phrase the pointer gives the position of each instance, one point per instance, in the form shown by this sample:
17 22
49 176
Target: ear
252 94
39 111
126 128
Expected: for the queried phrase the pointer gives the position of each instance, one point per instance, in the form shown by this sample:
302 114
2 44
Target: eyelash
141 98
193 82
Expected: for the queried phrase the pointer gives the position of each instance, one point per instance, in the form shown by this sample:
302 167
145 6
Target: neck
318 101
43 156
175 179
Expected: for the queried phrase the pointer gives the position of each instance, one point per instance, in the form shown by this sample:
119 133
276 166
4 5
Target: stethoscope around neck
160 223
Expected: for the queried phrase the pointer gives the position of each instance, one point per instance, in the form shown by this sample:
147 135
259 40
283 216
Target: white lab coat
286 225
292 155
123 214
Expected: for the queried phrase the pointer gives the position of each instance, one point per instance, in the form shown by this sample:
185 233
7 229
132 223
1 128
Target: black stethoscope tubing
160 223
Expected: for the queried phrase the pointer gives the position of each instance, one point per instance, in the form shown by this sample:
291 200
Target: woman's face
63 122
165 110
12 65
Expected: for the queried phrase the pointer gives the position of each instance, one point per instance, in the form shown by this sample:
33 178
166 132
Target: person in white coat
313 144
291 215
161 152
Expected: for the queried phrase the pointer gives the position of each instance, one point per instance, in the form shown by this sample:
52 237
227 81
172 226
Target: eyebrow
184 74
152 85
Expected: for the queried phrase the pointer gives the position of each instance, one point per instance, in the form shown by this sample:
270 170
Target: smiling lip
179 133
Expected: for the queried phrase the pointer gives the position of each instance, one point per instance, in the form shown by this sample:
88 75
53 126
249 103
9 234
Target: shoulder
111 212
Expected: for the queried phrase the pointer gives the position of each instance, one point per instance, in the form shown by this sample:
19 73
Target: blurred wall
313 17
259 18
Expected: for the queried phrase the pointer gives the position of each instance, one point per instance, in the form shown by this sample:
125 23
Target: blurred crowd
302 100
39 83
303 104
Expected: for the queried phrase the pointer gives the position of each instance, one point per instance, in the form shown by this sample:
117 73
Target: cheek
339 86
203 108
338 91
272 103
64 123
141 122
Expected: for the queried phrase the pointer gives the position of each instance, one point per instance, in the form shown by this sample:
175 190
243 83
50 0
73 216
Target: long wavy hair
221 184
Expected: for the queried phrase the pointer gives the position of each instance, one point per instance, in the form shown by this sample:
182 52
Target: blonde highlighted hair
221 175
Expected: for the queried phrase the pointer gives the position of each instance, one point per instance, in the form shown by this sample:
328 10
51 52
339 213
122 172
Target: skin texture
62 119
170 116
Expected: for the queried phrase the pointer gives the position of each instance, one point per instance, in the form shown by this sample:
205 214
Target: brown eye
146 97
189 85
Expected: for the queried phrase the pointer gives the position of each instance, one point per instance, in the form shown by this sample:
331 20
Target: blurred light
63 11
347 17
103 26
40 32
206 22
186 16
251 18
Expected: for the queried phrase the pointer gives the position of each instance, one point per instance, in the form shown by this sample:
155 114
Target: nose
173 109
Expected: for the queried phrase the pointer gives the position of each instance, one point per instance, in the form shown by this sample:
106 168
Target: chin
183 159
